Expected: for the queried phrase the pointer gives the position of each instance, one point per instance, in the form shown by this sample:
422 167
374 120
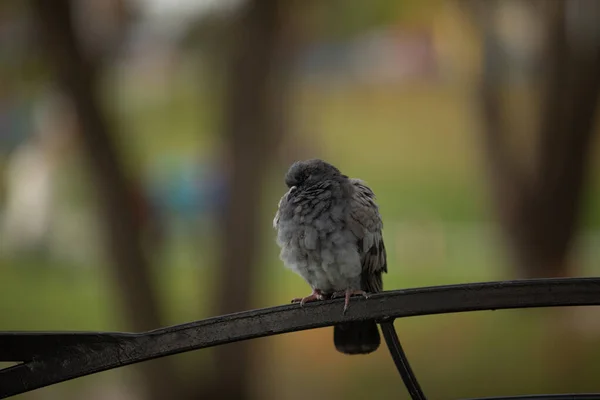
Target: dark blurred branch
539 211
509 183
55 357
122 228
255 99
569 103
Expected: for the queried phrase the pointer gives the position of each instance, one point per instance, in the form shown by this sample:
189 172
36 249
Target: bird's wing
365 222
282 201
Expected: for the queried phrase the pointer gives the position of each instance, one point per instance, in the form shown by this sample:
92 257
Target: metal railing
47 358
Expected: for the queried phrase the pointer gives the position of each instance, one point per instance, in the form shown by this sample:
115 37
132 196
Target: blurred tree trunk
256 91
123 227
539 208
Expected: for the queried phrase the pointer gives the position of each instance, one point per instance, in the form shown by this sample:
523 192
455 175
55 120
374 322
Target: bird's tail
360 337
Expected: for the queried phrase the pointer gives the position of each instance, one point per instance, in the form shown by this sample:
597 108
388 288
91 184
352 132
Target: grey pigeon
329 230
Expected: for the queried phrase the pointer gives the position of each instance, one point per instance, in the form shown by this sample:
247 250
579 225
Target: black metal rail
51 357
401 361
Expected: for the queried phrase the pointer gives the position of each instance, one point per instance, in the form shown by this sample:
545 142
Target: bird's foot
316 295
347 294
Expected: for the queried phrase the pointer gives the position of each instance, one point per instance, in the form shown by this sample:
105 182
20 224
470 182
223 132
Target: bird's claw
350 292
347 294
316 295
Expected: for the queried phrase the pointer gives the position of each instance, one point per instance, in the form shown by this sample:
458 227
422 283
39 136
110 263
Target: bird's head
308 172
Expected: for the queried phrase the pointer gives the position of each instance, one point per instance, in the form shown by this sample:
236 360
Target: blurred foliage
353 18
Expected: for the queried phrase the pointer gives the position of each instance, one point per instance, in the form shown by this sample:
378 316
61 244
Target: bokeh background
143 146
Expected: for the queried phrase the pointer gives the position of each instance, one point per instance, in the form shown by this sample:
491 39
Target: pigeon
330 233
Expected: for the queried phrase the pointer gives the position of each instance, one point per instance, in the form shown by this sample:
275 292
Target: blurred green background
386 91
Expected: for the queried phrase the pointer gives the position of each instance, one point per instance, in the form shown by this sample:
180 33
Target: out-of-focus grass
417 147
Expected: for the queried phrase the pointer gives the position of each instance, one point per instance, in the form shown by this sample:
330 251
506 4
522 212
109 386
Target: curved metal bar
56 357
401 361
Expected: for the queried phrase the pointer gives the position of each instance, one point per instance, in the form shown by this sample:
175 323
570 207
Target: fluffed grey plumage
330 233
